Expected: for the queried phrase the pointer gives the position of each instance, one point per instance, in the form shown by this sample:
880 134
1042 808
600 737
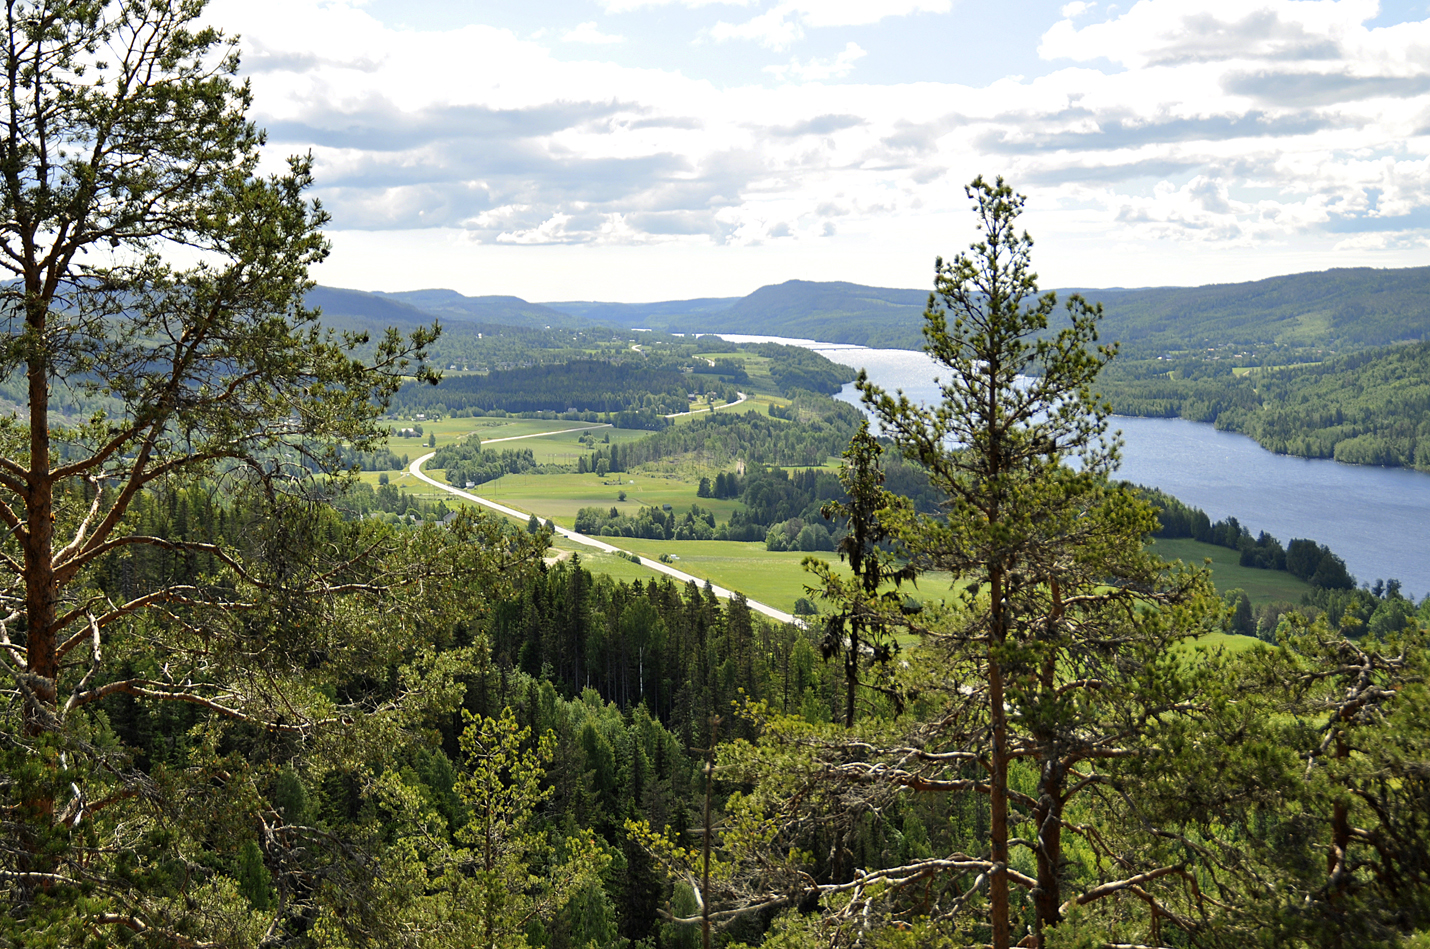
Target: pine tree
1070 620
517 876
1057 650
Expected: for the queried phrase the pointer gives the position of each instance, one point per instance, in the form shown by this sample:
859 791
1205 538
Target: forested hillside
818 429
452 306
647 383
1337 310
587 385
1368 408
830 312
1331 310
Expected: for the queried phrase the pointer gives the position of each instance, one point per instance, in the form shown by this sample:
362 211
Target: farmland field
1262 586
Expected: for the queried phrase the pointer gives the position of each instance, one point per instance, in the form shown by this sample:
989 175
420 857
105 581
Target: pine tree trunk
998 779
1047 899
41 657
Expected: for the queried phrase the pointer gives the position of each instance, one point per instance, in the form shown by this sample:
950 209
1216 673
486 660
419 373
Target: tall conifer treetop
1070 619
1037 674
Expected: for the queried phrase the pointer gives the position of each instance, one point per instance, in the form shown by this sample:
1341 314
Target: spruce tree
861 624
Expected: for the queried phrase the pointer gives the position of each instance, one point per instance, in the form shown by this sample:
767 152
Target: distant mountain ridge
504 310
632 315
1340 309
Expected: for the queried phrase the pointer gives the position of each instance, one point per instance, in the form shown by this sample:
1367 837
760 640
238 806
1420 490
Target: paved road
512 438
727 405
416 469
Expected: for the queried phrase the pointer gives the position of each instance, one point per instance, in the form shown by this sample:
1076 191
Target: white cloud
1393 240
587 33
861 12
627 6
1277 125
776 29
785 21
819 69
1170 32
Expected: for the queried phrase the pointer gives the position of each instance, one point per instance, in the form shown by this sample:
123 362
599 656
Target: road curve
656 565
727 405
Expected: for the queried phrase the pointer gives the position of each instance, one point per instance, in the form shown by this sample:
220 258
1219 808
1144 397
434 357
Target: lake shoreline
1375 518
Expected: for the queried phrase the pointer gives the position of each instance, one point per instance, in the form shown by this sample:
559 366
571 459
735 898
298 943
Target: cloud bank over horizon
1264 134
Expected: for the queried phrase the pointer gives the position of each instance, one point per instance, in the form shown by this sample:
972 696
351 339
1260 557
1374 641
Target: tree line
1302 558
795 368
620 384
1365 408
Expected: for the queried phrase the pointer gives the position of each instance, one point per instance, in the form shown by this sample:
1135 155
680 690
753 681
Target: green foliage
466 462
1028 685
1368 408
253 878
1315 564
1074 604
600 386
1239 617
140 661
794 369
824 428
863 600
518 876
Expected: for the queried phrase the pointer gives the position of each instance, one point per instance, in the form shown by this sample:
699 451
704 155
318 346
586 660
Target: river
1377 519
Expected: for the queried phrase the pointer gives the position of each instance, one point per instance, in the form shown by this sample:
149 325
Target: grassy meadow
1262 586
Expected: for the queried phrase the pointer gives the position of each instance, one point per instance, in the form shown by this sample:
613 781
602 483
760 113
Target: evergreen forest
252 699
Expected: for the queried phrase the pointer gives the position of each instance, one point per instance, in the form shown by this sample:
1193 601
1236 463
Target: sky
637 150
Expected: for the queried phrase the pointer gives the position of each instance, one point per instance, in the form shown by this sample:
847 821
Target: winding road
724 405
417 472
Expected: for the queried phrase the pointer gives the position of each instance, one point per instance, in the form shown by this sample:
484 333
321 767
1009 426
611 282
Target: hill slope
1343 309
1334 310
645 315
501 310
363 308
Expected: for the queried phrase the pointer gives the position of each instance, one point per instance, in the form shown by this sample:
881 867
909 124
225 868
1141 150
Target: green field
1262 586
1228 641
618 568
561 448
757 367
774 578
759 404
560 496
